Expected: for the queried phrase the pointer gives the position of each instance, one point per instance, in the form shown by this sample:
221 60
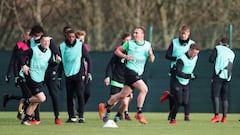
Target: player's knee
121 96
145 90
125 103
42 98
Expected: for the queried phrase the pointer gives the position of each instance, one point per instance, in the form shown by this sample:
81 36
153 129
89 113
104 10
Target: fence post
150 31
230 29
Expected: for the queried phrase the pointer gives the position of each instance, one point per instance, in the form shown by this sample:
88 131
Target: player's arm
16 62
109 68
213 56
151 55
28 53
11 65
179 67
120 51
53 47
87 57
169 52
60 69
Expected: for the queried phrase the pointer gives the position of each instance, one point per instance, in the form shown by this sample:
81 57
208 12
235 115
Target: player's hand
151 55
58 59
16 80
107 81
26 69
7 78
193 76
89 77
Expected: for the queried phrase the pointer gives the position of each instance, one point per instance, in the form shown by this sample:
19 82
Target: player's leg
143 90
215 93
186 104
224 98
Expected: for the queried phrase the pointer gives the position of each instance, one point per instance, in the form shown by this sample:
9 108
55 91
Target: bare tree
172 17
106 20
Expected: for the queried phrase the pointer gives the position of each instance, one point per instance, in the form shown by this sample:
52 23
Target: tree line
105 20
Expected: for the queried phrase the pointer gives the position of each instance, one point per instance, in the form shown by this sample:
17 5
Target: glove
6 78
89 77
193 76
16 80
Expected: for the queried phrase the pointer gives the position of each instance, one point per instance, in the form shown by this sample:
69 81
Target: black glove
7 78
16 80
89 77
193 76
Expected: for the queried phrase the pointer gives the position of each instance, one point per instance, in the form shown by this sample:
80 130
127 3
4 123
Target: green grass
158 125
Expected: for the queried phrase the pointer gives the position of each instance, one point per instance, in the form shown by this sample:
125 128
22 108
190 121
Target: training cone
110 124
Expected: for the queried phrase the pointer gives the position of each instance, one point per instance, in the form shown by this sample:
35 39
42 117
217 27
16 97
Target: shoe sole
37 123
214 121
143 121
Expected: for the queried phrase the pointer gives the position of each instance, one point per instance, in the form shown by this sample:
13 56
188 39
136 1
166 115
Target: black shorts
26 92
115 90
131 77
35 87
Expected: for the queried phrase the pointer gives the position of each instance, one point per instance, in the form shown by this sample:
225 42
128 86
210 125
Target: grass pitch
158 125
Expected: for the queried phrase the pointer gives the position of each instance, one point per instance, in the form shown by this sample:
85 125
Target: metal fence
156 77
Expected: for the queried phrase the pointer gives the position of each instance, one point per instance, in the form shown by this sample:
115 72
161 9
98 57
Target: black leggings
180 95
220 89
52 85
75 87
87 90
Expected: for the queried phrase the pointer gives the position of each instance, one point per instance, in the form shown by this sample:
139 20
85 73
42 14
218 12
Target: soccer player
50 77
178 47
81 35
40 57
222 57
181 83
116 66
15 67
138 52
73 53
